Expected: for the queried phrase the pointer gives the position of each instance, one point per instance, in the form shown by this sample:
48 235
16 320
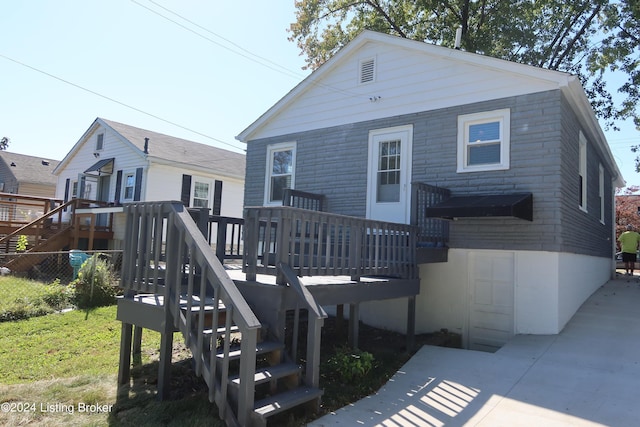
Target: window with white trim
601 191
100 142
280 171
483 141
129 185
582 172
200 194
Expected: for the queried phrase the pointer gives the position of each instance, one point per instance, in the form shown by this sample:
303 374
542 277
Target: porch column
411 323
124 366
166 350
354 320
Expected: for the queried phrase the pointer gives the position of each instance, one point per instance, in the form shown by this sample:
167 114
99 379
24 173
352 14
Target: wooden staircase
174 282
277 380
48 234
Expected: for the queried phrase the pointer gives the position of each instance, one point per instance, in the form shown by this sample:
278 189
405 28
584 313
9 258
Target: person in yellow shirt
629 245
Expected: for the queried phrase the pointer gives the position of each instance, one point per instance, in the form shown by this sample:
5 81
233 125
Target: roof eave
577 97
191 167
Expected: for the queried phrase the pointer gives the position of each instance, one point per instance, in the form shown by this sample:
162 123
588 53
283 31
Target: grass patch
71 359
65 344
24 298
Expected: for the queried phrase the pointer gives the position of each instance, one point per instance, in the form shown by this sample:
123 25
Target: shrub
22 243
56 295
351 364
95 285
24 308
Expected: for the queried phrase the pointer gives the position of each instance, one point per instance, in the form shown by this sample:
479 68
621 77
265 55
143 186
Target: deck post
252 228
166 350
354 321
411 323
124 367
137 345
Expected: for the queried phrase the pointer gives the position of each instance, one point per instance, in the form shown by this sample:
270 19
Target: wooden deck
337 290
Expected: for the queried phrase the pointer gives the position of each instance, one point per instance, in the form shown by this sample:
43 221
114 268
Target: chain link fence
28 278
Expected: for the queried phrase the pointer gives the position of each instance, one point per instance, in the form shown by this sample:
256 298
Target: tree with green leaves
587 38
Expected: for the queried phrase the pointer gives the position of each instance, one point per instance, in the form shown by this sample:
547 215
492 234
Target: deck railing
434 232
223 233
303 200
165 253
316 243
50 220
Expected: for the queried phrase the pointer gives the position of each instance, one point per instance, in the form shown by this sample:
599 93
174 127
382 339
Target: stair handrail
163 233
42 218
316 316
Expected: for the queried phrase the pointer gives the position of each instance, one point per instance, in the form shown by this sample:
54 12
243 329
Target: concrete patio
588 375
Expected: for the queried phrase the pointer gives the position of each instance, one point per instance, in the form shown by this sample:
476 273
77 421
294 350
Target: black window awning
101 167
493 205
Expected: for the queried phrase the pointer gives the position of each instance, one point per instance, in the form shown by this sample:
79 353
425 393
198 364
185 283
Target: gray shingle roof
180 150
30 169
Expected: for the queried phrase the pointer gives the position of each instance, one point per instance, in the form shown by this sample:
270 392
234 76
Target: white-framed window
367 70
601 191
100 142
201 193
582 172
281 159
129 185
74 189
483 141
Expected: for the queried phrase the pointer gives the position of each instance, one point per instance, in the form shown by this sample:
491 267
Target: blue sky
212 74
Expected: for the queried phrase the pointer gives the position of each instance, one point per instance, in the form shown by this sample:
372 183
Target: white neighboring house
117 163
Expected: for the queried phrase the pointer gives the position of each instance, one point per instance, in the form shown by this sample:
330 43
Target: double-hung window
200 194
129 185
483 141
601 191
280 171
582 172
100 142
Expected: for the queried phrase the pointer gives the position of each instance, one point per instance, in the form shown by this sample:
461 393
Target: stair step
271 373
261 348
282 401
222 330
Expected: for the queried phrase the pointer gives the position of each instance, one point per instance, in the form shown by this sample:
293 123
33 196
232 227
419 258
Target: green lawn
59 345
52 364
68 360
23 298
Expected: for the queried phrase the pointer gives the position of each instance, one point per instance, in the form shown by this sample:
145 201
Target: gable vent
367 71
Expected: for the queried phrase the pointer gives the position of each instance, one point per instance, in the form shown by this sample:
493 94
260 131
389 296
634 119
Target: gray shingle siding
582 232
543 161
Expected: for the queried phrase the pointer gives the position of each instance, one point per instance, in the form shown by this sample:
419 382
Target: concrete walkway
588 375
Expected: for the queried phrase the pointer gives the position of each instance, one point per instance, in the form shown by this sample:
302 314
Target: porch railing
316 243
303 200
165 253
223 233
433 232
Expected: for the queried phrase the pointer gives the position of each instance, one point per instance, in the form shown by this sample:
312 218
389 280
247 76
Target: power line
249 55
262 58
118 102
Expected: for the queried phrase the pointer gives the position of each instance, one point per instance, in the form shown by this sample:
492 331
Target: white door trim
405 134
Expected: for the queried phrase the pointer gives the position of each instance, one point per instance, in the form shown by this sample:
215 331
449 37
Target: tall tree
583 37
